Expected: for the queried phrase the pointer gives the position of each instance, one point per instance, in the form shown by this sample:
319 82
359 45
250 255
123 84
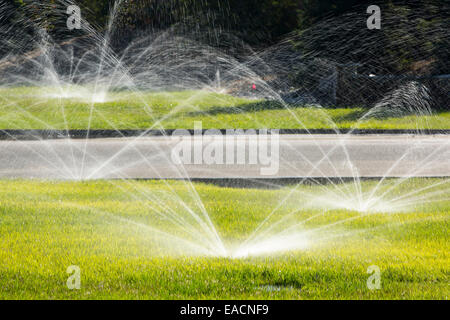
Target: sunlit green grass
38 108
100 226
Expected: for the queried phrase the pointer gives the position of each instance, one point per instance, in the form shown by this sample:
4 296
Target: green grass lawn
37 108
103 227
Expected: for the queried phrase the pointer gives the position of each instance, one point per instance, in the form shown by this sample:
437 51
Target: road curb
99 134
278 183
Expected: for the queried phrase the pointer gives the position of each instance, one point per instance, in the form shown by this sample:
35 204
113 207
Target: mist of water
91 68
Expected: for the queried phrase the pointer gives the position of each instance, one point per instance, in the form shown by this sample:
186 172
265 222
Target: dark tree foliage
414 41
262 23
257 22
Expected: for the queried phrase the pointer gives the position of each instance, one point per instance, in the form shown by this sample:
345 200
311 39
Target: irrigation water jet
41 70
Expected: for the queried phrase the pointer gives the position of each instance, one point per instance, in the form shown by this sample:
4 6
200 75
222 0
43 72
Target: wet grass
37 108
100 226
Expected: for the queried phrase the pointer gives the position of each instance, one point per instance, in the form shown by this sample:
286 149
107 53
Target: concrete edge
278 183
8 134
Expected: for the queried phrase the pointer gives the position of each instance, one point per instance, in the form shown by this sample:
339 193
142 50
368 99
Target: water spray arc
91 70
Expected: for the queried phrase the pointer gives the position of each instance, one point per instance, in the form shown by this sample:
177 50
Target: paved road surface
299 156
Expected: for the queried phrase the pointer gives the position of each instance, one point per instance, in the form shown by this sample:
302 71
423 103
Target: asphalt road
297 156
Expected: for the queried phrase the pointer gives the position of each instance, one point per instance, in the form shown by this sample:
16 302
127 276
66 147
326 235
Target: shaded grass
36 108
47 226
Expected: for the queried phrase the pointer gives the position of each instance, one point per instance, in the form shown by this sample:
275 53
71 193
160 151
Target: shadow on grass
354 116
339 114
248 107
367 114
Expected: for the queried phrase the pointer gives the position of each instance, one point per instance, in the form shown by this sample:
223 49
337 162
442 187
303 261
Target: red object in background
254 86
